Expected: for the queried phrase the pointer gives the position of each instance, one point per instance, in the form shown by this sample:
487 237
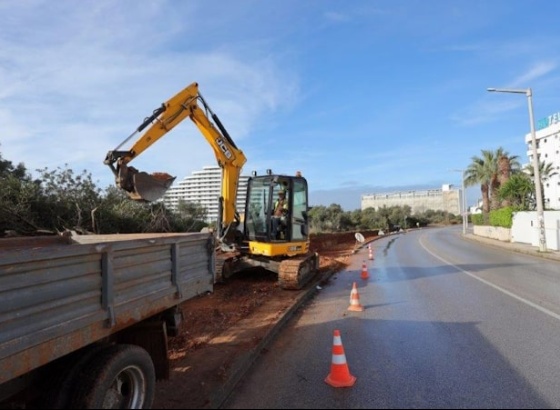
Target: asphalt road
448 323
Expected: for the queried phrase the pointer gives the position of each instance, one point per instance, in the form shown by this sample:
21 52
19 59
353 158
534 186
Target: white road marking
507 292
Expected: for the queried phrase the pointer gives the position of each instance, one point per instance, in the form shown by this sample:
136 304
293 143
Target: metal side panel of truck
59 297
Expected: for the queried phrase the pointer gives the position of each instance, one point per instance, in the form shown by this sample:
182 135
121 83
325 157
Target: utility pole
538 189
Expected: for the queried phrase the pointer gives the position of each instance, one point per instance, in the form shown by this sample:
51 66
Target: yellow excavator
245 242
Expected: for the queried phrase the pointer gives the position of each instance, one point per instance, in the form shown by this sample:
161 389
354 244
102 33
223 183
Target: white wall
493 232
525 228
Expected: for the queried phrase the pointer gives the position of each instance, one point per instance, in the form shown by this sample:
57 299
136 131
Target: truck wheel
119 377
59 382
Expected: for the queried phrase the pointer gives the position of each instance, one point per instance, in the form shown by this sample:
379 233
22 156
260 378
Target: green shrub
502 217
477 219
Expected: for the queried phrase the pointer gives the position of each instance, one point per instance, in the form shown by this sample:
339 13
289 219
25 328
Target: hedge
502 217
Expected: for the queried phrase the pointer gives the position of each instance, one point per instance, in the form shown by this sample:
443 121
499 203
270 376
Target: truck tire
60 379
118 377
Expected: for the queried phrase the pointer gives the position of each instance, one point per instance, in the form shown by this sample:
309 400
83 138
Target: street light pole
538 189
466 204
464 201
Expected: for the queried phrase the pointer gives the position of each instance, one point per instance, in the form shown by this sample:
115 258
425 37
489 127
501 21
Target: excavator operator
279 214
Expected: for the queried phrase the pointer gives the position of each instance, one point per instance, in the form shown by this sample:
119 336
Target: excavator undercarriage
293 273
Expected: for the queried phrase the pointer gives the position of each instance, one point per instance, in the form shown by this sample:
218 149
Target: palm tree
546 170
519 191
491 171
505 165
480 172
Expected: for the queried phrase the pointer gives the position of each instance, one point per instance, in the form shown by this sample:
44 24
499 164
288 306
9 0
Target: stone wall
493 232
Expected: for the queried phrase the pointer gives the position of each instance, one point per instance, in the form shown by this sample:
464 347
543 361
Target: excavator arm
189 103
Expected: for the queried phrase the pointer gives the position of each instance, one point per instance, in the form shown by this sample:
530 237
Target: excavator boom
142 186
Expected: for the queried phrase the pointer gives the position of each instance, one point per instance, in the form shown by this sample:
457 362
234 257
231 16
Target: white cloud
537 71
76 78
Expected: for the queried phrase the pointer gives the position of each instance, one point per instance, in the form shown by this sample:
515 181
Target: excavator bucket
141 186
148 187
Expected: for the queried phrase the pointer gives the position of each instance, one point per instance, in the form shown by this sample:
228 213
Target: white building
548 149
204 188
476 209
445 199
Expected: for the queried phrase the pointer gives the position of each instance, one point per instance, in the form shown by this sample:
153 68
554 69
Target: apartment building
204 187
548 150
446 198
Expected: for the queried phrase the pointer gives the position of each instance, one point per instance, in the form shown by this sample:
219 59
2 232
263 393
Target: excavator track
223 265
294 273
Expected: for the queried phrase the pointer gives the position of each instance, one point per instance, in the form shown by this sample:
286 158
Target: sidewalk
515 247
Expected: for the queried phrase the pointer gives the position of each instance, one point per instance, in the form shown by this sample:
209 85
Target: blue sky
360 96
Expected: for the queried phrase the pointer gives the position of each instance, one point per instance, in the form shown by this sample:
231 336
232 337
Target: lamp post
538 190
464 202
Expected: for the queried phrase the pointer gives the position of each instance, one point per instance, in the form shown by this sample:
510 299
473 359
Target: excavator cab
262 195
286 250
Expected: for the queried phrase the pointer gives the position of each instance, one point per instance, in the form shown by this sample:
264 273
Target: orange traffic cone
370 254
355 300
365 274
340 374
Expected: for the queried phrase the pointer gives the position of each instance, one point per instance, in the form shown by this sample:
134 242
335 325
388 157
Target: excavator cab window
257 208
262 194
299 224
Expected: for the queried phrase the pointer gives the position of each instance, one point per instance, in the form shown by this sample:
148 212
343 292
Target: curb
553 256
239 369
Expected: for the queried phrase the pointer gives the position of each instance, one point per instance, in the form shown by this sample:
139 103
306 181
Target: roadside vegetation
61 199
505 186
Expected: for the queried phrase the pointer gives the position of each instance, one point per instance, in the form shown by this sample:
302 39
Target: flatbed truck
85 320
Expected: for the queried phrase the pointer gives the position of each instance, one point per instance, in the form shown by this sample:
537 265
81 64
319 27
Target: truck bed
59 294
